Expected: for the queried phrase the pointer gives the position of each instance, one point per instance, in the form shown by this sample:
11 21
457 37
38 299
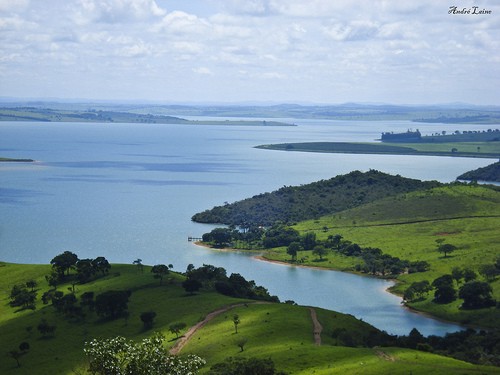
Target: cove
128 191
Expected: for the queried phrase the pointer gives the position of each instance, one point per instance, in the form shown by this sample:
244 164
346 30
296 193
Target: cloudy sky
302 51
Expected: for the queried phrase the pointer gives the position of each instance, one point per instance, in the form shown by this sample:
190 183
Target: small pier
194 239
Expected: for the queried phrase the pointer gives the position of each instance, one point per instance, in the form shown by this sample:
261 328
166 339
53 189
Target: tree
149 357
84 270
236 322
191 285
469 275
241 343
308 240
320 251
293 249
489 272
45 328
112 304
176 328
87 299
101 265
16 355
160 271
417 290
221 237
445 292
446 249
458 274
32 284
139 264
20 296
335 241
147 318
476 295
64 262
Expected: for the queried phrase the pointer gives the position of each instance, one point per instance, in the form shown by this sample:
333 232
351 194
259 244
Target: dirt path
183 340
317 327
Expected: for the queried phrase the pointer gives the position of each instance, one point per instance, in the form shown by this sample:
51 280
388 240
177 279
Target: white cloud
203 71
118 11
319 50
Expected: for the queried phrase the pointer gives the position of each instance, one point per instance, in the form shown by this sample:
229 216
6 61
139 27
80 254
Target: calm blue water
128 191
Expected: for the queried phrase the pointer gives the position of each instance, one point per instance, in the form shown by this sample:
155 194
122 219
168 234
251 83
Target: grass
407 226
63 354
280 331
460 149
284 334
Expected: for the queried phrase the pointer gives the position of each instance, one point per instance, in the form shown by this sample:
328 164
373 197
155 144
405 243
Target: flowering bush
119 356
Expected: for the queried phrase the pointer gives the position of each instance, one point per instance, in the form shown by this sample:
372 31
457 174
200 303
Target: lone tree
176 328
138 263
293 249
241 343
236 321
147 318
160 271
446 248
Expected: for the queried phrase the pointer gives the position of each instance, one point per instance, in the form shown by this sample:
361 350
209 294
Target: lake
128 191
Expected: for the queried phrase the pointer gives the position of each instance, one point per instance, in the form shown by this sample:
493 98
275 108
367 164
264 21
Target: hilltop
296 203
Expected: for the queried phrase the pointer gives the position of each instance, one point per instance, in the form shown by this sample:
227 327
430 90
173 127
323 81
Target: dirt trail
317 327
183 340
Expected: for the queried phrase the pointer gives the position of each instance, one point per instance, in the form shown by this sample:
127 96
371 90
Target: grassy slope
284 334
407 226
281 331
64 353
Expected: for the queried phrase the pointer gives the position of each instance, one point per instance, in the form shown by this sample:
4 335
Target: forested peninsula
296 203
439 241
488 173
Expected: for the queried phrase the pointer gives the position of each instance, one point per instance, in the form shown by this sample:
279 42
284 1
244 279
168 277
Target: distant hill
296 203
488 173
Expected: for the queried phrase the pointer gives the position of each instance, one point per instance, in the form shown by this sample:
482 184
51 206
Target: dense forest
488 173
296 203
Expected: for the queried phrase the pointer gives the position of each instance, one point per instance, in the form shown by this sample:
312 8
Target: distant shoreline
488 150
13 160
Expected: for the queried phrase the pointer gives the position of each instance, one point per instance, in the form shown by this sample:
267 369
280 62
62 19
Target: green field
458 149
407 226
282 332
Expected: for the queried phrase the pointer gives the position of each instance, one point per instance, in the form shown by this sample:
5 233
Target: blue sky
229 51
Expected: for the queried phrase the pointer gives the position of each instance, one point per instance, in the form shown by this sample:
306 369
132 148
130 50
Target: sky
258 51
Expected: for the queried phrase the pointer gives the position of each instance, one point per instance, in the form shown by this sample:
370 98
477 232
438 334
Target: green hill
282 332
297 203
406 227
